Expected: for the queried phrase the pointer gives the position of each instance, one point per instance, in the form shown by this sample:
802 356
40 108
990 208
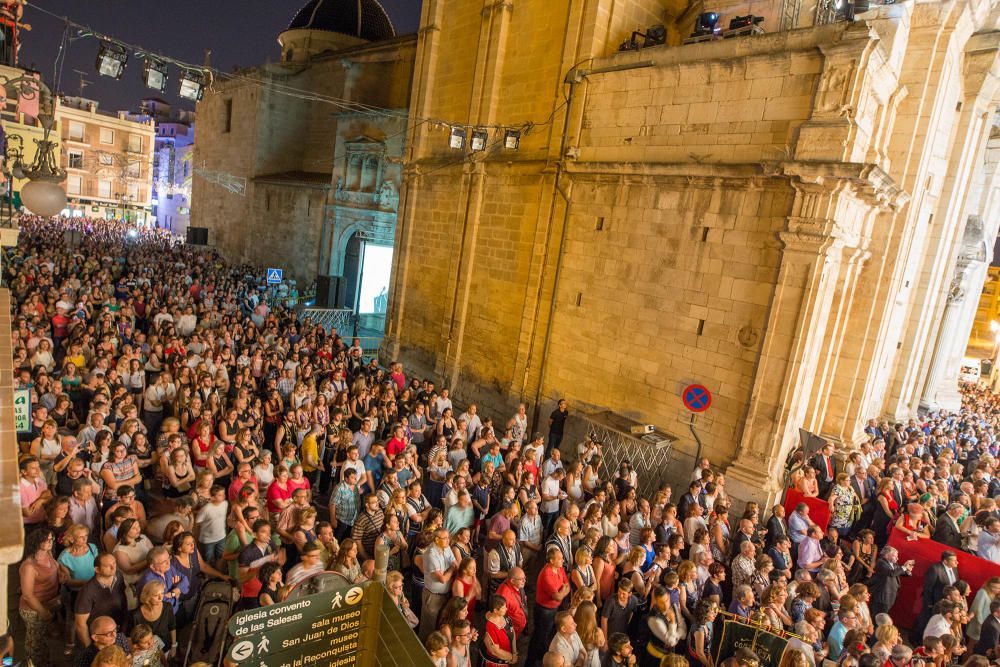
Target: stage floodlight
706 23
154 74
192 85
457 138
511 139
479 139
111 59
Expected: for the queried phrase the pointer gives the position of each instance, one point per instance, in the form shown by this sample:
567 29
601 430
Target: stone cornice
870 181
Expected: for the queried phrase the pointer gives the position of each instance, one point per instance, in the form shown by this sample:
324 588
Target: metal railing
342 319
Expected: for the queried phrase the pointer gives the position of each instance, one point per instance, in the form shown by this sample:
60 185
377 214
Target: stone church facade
799 220
299 161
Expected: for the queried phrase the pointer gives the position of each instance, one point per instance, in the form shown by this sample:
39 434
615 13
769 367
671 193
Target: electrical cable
277 87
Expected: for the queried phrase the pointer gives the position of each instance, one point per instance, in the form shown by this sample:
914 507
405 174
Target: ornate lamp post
43 195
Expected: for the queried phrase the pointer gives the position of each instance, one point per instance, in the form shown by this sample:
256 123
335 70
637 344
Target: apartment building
108 159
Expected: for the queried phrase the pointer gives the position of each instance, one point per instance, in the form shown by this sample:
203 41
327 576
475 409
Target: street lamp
43 195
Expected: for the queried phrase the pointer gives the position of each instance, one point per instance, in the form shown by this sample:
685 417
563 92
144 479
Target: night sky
239 33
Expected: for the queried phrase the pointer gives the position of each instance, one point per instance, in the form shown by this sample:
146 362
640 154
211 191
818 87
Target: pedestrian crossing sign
274 276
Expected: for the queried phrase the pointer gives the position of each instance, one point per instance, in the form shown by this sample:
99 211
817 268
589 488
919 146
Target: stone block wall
737 110
661 278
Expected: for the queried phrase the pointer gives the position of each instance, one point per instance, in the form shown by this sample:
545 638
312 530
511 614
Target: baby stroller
208 632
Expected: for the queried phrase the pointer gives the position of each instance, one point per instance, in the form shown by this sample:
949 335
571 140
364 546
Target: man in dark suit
884 584
826 469
691 497
936 578
776 528
744 533
947 531
897 485
865 486
873 430
989 634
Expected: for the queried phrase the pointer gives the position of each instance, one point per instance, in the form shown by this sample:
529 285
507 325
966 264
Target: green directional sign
345 626
22 410
327 623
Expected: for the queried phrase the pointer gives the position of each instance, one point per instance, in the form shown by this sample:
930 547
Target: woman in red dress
500 644
202 445
885 511
466 584
913 524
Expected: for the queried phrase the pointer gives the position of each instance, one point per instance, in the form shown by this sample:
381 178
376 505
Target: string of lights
113 55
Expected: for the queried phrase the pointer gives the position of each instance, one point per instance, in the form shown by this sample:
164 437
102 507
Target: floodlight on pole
111 59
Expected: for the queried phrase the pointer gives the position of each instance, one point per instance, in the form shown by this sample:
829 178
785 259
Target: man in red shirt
552 589
60 327
512 590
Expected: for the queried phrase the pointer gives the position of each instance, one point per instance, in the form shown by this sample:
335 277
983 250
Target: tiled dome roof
366 19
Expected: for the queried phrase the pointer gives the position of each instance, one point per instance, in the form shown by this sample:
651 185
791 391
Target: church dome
363 19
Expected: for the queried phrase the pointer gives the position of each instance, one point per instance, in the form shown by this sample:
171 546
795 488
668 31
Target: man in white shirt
551 495
439 568
566 642
989 541
472 422
95 424
553 463
186 323
940 623
442 403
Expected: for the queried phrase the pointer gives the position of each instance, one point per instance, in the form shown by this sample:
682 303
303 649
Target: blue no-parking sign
274 276
696 398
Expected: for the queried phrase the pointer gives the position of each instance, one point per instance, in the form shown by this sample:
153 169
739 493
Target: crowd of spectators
181 432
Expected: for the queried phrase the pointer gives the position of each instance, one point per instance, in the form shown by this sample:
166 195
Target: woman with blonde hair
591 636
688 587
582 575
886 636
110 656
579 597
794 658
154 613
672 660
394 586
632 570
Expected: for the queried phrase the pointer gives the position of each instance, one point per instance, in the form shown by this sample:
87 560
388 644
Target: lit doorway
373 286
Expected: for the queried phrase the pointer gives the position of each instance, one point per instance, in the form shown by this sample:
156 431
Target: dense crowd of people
182 432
